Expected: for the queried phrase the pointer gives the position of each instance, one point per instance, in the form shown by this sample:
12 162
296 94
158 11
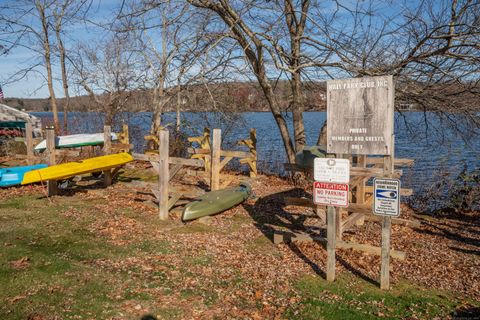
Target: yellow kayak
71 169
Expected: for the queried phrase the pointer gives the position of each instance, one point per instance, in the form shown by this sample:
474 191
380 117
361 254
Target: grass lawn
61 258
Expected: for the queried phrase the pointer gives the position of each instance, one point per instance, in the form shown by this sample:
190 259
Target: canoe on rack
71 169
76 140
216 201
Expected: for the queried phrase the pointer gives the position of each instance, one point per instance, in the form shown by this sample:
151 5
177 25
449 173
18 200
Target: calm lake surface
436 149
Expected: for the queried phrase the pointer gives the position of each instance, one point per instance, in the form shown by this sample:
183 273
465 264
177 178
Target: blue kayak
14 175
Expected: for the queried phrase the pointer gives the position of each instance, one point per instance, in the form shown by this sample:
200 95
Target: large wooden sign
360 115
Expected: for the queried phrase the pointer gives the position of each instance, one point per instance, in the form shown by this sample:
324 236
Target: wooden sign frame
360 115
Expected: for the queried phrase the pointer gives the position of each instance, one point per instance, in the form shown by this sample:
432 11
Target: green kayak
216 201
306 157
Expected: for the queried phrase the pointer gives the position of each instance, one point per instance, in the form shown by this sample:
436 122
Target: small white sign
330 194
386 193
331 170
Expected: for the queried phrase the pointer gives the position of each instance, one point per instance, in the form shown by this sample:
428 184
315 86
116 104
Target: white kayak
76 140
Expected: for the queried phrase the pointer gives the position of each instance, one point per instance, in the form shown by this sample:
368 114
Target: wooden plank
223 153
399 162
399 221
331 239
360 190
171 160
163 175
107 149
67 153
369 249
52 186
198 150
354 171
352 219
216 152
338 223
400 255
175 197
29 143
224 162
174 171
321 214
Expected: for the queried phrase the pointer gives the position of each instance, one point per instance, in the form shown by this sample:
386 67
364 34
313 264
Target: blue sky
33 85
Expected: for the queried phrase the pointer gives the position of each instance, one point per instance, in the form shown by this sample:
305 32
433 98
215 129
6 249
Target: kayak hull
216 201
75 141
71 169
14 175
306 157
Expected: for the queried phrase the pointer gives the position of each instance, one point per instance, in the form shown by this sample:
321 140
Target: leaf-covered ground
95 253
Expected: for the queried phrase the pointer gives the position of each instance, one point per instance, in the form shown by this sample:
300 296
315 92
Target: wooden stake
163 174
362 162
107 149
385 253
29 143
331 243
388 166
125 135
216 148
51 184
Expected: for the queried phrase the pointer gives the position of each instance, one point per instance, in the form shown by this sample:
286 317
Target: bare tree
109 72
432 48
64 13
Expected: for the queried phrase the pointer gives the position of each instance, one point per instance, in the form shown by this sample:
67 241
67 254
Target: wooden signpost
360 122
331 189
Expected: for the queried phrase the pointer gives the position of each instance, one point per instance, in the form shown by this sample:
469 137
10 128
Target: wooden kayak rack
362 169
208 151
52 155
208 156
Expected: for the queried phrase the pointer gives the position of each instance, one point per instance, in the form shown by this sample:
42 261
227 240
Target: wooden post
215 171
107 149
338 223
338 214
360 198
331 243
29 143
163 174
52 186
205 144
388 166
125 135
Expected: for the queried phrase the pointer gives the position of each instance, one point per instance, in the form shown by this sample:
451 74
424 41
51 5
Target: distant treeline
226 97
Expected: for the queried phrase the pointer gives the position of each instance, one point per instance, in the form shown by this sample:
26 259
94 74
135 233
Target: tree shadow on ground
448 233
466 312
271 219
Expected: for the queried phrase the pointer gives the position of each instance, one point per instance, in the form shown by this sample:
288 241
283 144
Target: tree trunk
64 81
177 127
277 115
48 65
297 111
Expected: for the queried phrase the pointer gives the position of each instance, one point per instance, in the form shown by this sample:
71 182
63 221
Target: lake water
436 149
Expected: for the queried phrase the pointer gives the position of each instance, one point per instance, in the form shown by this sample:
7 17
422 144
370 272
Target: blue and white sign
386 193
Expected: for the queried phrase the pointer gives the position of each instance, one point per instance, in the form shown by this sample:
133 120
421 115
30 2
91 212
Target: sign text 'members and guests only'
360 115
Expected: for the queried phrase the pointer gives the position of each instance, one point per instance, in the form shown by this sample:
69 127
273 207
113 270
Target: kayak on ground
306 157
216 201
14 175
